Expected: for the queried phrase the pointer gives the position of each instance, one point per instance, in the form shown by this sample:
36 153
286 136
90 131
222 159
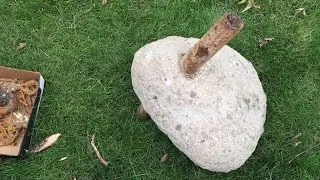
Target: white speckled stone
215 119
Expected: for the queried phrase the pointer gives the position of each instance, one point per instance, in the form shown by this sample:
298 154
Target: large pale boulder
203 95
215 119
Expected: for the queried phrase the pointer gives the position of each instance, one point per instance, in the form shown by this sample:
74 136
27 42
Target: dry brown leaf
46 143
104 162
164 158
64 158
264 41
104 2
21 46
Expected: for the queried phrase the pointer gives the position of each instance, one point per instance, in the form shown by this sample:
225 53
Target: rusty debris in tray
16 102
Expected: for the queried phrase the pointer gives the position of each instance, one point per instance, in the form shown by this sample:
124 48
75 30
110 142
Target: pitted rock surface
217 118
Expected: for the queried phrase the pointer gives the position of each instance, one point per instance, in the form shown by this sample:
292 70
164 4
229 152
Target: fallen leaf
64 158
164 158
242 1
104 2
296 140
297 136
21 46
264 41
268 39
46 143
250 4
297 143
97 152
301 10
256 6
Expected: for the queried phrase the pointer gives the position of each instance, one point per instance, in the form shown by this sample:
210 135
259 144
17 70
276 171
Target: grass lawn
85 50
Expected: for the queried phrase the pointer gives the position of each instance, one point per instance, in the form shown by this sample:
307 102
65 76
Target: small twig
97 152
303 152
